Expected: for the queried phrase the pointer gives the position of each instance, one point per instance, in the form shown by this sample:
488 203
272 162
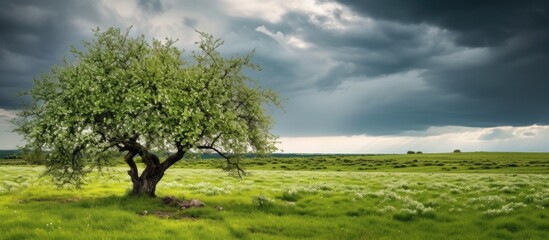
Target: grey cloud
506 86
478 23
510 87
154 6
529 134
189 22
497 134
34 35
380 49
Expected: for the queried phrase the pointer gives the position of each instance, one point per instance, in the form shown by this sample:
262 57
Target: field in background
415 196
480 162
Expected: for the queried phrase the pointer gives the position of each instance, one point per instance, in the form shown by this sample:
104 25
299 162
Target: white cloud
270 10
171 22
282 39
528 138
326 14
7 114
124 8
8 139
334 16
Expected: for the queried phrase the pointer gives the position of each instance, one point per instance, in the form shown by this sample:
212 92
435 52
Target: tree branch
235 165
215 139
172 159
216 150
133 172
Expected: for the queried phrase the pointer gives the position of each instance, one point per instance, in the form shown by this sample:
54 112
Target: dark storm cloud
281 69
479 23
482 63
506 85
383 48
33 36
387 48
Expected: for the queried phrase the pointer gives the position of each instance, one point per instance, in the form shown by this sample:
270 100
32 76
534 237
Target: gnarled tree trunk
145 185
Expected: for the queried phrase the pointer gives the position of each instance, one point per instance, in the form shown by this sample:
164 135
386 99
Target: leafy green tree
127 94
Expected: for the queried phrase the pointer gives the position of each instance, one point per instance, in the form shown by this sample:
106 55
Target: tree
127 94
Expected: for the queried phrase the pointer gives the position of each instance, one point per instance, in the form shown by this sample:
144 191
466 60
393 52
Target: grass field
416 196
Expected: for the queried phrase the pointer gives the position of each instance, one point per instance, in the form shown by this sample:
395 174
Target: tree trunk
145 185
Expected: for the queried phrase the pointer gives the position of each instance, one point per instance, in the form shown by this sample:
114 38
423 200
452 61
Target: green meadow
411 196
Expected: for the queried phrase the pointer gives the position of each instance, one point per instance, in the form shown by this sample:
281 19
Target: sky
359 76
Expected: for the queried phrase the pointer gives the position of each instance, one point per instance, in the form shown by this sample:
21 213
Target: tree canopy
122 92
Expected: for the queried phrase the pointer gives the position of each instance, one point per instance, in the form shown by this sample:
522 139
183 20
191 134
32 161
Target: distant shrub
34 157
419 152
291 195
457 151
428 213
510 226
262 201
405 216
455 191
410 152
358 213
11 156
